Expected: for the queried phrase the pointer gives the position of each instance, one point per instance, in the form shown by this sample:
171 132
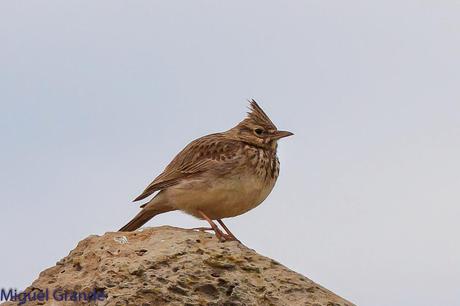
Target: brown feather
219 175
258 116
149 210
197 157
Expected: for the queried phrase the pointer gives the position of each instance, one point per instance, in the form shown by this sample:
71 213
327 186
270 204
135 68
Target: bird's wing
201 155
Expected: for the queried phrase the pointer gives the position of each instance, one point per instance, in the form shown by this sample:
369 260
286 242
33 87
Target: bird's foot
202 229
229 234
229 237
219 234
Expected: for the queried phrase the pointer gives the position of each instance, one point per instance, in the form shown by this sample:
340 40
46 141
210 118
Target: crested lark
219 175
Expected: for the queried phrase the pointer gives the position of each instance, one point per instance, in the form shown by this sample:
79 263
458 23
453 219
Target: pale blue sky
96 97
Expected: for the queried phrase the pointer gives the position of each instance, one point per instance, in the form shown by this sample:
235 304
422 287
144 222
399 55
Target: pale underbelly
221 198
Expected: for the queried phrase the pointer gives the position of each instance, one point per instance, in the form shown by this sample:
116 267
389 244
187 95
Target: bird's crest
258 116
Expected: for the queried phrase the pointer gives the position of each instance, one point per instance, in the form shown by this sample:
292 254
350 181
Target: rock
172 266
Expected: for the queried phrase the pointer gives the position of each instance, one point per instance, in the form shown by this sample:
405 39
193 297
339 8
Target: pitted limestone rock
171 266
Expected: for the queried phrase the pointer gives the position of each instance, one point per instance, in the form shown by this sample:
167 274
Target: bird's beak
281 134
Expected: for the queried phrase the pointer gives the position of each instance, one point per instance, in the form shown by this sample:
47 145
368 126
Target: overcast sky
96 97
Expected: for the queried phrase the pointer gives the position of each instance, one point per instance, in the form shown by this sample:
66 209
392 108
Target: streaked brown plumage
218 176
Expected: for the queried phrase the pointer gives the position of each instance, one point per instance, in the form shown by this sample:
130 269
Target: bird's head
257 129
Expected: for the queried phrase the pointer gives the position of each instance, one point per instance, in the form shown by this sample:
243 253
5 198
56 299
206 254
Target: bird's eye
259 131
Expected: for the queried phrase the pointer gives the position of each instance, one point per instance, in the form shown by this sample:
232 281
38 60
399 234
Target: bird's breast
229 195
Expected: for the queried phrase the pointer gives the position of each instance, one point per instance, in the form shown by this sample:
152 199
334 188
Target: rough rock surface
171 266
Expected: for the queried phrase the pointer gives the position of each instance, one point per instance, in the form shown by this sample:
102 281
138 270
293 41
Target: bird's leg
219 234
230 234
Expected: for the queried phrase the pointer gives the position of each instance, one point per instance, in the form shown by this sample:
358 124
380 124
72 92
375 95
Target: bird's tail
148 211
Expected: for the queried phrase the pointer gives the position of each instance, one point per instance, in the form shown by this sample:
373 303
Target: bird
218 176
